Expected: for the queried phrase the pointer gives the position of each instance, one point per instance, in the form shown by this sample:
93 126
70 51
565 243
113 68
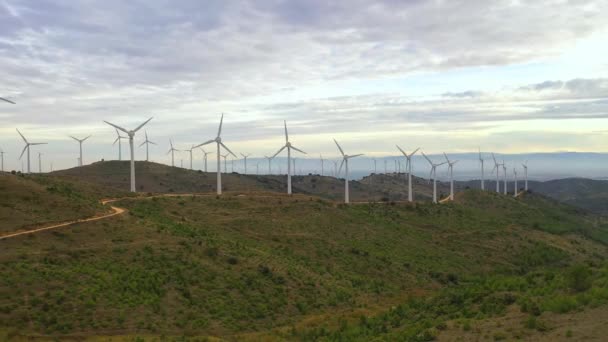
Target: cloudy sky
509 76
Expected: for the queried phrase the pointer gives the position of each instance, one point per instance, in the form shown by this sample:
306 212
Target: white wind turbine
39 162
257 168
2 159
496 167
190 150
225 163
289 147
6 100
27 147
245 156
482 171
408 167
205 153
525 165
172 150
80 141
515 176
451 170
375 168
131 134
269 164
345 158
118 139
504 168
322 163
147 142
218 141
433 175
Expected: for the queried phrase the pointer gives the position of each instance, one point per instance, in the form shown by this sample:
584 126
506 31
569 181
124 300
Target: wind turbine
375 168
119 139
515 176
482 170
225 163
451 169
525 165
345 158
322 163
80 141
147 142
289 148
257 168
172 150
39 162
269 164
504 169
496 165
218 141
335 168
245 156
2 159
6 100
131 134
433 175
385 167
27 147
408 167
205 156
190 150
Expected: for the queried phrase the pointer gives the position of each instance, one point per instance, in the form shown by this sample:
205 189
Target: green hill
264 266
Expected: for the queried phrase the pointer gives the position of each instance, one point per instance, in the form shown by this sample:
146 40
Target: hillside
265 266
160 178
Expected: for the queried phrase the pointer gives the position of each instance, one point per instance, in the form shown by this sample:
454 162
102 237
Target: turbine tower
289 147
345 158
375 167
218 141
131 135
408 167
515 176
118 139
39 162
147 142
504 169
2 159
205 157
6 100
451 169
27 147
482 175
496 167
322 163
190 150
335 168
525 165
80 141
225 163
433 176
269 164
245 156
172 150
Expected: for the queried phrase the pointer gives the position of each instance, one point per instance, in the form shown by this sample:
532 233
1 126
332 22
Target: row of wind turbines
130 134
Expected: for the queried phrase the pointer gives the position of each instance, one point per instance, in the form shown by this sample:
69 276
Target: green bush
579 278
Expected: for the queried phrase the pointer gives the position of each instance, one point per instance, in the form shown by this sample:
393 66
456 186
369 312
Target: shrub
579 278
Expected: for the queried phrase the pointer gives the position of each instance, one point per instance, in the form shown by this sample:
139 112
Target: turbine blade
22 136
205 143
493 157
114 143
86 138
74 138
39 144
405 154
341 164
297 149
117 127
356 155
142 125
286 134
279 151
219 131
446 157
7 100
22 152
427 158
416 150
152 142
143 143
339 148
227 149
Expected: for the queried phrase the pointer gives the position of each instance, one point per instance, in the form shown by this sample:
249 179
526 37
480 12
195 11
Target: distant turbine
6 100
80 141
345 158
245 156
504 168
408 168
269 164
375 168
205 156
257 168
118 139
525 165
131 134
322 163
27 147
482 175
335 168
147 142
294 166
2 159
385 167
433 175
218 141
225 163
451 170
232 165
172 150
289 148
515 176
496 165
39 162
190 150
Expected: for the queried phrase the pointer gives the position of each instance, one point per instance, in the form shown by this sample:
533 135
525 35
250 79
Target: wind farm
443 176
